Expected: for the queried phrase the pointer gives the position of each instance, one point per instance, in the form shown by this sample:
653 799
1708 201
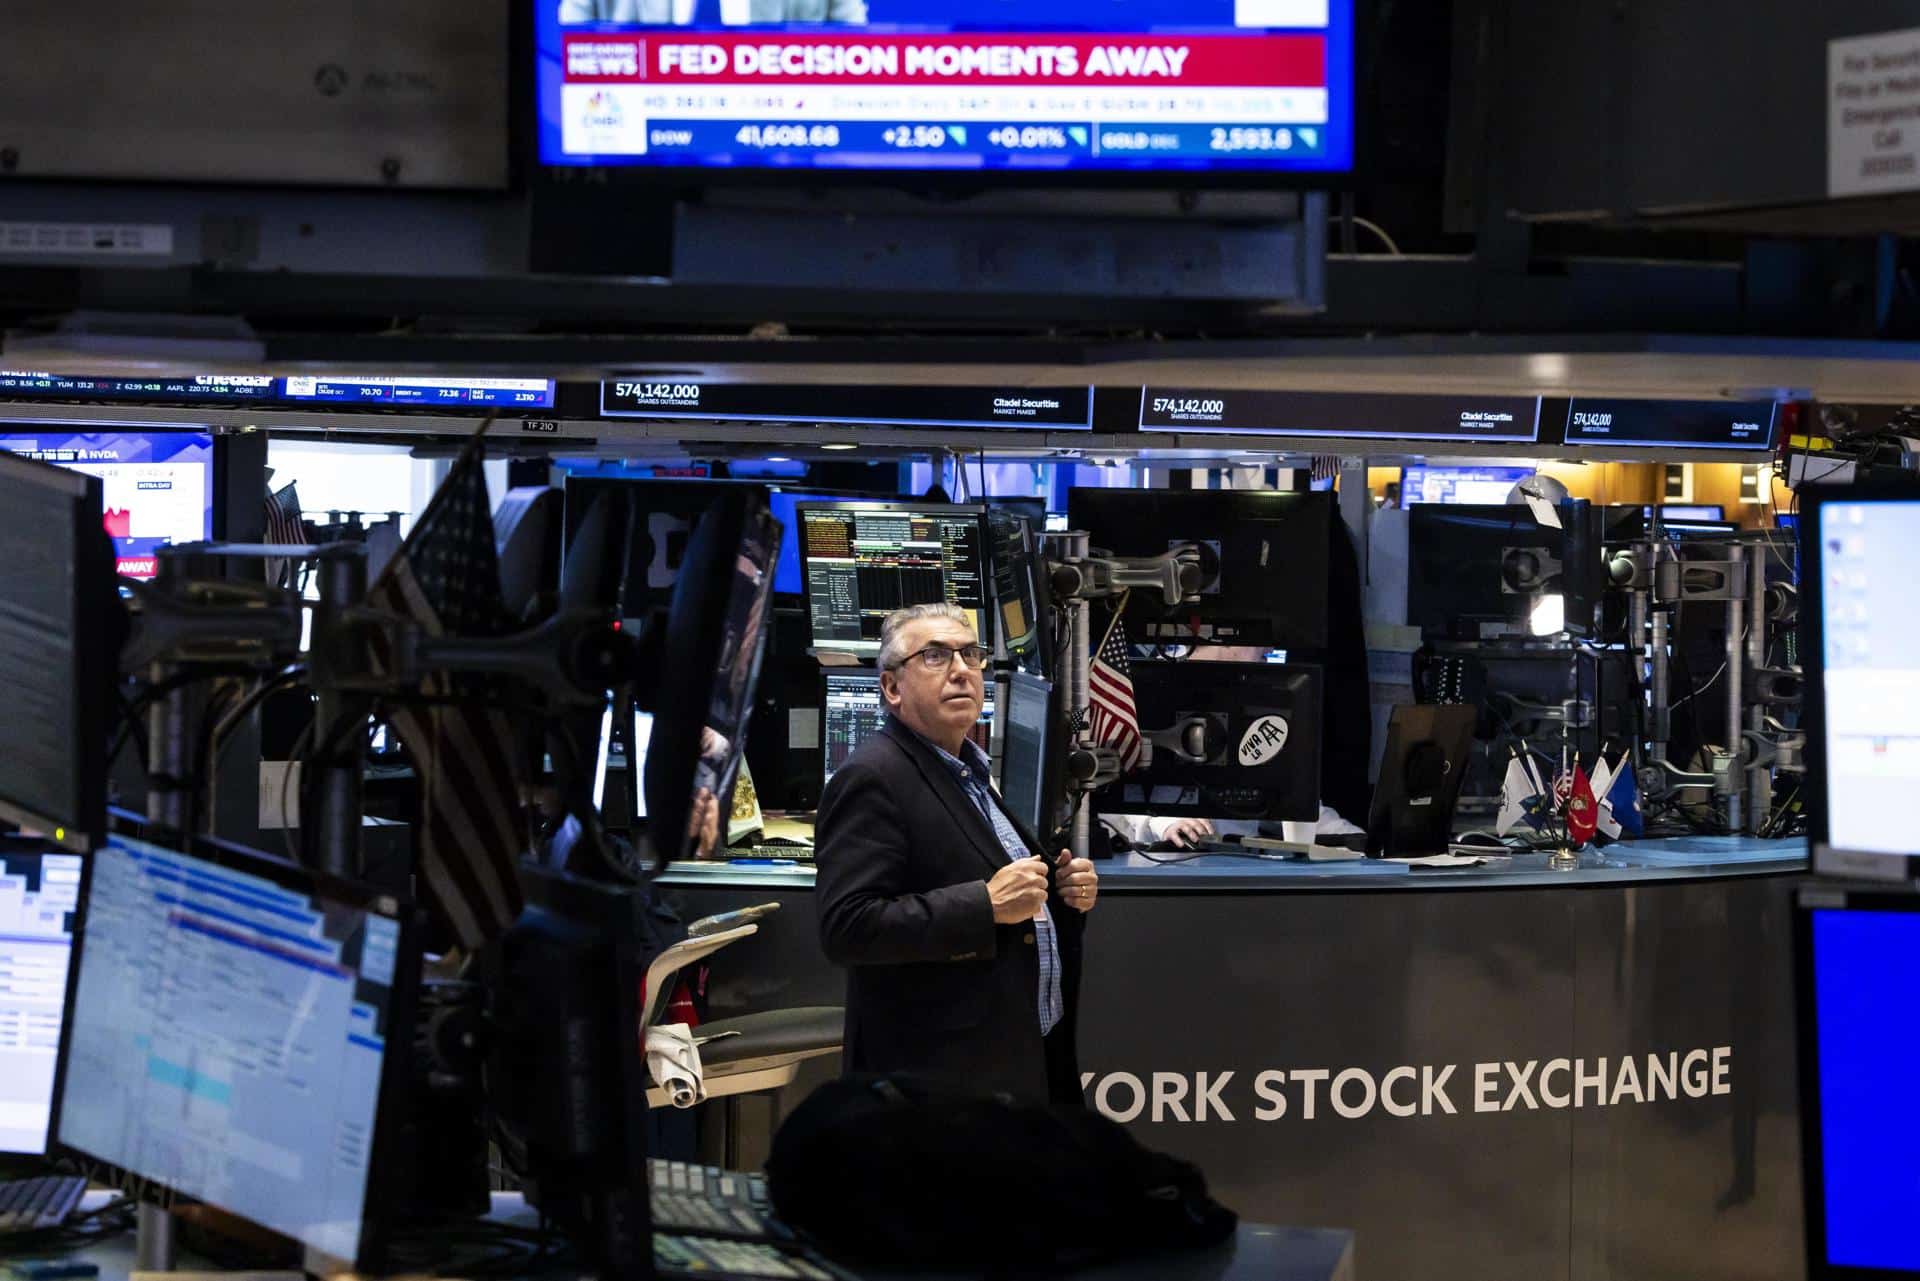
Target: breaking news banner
976 84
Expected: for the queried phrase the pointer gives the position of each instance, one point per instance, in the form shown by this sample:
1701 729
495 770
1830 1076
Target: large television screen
1143 86
158 485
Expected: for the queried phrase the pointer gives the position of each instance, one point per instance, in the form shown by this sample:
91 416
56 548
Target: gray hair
892 648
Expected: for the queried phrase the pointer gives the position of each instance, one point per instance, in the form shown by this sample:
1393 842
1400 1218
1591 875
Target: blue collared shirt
974 773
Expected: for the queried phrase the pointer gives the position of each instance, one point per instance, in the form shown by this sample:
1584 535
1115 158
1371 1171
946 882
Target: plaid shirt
974 773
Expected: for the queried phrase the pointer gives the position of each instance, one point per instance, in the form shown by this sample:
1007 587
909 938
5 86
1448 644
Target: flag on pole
1583 813
1601 781
1623 799
1515 792
446 579
1115 721
284 528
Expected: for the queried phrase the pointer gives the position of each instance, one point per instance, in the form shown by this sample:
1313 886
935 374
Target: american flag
446 579
1116 724
284 528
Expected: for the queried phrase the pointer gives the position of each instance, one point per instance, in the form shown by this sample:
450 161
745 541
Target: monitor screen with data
39 895
852 711
1859 581
862 561
229 1036
1204 87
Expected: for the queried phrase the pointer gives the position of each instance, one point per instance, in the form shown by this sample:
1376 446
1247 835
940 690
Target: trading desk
1488 1072
1256 1252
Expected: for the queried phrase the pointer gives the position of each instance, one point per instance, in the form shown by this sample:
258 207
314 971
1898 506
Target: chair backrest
663 967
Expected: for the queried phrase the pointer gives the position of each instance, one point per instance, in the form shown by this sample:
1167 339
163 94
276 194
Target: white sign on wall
1873 114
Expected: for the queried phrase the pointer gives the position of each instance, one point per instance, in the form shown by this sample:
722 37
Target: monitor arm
1174 575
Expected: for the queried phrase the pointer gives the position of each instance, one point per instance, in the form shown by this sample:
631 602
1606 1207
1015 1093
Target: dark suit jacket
934 986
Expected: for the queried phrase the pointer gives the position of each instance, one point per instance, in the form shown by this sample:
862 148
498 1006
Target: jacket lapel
966 816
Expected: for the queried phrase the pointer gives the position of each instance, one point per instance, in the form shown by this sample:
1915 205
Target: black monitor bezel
1052 757
989 605
1312 678
386 1183
531 168
1822 858
1268 621
1813 1190
94 659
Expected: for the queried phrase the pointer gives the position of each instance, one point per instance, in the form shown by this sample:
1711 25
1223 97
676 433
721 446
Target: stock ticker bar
486 393
1336 415
1029 408
378 390
26 385
1057 84
1672 424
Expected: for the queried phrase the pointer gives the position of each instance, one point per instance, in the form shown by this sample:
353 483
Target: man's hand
1188 831
1018 891
1079 883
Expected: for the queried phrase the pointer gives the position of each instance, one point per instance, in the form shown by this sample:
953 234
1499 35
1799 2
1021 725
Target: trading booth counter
1628 862
1530 1083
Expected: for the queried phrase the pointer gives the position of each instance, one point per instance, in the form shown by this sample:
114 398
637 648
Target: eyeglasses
937 658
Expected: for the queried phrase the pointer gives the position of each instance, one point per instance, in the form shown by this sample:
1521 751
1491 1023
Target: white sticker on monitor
1265 739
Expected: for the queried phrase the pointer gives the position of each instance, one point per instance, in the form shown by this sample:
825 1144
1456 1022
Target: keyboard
676 1256
710 1200
30 1205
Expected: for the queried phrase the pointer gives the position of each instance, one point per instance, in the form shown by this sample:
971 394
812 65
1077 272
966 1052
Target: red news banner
1264 61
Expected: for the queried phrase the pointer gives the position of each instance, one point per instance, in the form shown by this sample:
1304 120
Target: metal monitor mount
191 623
1077 576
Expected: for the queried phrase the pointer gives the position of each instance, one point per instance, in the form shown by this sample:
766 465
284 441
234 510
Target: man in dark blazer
961 937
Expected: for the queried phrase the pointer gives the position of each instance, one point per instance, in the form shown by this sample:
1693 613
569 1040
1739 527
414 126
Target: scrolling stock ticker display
1046 85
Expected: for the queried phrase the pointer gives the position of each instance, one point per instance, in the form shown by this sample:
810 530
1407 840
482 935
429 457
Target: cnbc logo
602 111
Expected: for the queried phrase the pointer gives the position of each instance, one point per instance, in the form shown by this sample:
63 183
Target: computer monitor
39 899
1692 511
157 486
862 561
1480 573
1425 761
1229 740
713 639
1264 561
60 627
1633 522
1029 770
852 711
235 1029
1857 962
1859 617
567 1076
1459 484
1021 597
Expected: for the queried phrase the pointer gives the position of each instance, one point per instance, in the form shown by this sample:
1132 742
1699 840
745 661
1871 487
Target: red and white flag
1115 722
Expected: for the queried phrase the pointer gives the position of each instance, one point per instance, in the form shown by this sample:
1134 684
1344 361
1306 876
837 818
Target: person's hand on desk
1079 883
1018 891
1185 832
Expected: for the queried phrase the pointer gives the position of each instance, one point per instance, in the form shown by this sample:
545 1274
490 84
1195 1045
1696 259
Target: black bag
904 1171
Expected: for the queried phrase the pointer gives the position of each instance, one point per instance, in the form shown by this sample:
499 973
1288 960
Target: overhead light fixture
839 446
777 458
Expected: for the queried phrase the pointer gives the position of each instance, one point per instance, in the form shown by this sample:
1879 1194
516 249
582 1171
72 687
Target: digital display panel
1672 424
345 389
157 486
507 393
1338 415
1037 408
982 85
27 385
